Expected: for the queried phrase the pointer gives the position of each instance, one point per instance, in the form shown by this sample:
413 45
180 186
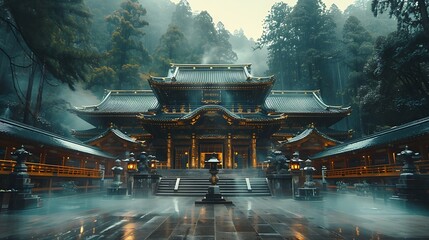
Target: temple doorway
206 152
241 157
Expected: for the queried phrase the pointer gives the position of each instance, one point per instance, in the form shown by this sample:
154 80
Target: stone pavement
338 216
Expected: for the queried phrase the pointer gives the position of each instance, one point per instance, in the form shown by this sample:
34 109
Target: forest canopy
372 52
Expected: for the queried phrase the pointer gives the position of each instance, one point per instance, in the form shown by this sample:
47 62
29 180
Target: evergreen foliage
300 41
56 32
127 55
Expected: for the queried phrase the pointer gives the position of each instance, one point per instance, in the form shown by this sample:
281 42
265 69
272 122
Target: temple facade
201 109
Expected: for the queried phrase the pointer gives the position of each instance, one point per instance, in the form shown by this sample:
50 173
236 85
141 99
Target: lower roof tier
294 104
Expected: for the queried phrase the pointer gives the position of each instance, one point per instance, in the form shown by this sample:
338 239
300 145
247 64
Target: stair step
228 187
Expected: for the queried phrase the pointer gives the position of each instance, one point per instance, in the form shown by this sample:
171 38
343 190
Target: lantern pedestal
308 194
213 196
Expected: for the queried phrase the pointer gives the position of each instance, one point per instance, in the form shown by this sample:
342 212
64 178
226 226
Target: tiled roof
307 132
124 101
300 102
395 134
210 74
115 131
31 135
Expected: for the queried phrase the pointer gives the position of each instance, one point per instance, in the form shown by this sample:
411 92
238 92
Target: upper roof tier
123 101
301 102
209 74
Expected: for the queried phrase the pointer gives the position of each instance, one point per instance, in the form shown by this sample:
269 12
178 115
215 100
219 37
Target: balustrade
377 170
39 169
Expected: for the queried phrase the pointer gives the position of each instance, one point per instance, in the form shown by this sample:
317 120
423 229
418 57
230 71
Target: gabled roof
301 102
210 74
115 132
31 135
307 132
123 101
395 134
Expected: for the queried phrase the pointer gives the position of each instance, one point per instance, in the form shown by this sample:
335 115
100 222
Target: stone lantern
411 186
309 191
116 187
117 170
20 183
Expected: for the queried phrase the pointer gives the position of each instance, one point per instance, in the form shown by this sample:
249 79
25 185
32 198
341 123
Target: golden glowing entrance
205 156
207 149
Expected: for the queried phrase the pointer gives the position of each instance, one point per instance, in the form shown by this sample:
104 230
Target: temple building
201 109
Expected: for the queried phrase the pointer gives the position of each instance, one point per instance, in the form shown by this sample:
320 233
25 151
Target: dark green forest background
374 56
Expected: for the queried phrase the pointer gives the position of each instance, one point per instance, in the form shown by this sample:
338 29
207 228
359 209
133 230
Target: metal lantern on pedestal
213 195
213 161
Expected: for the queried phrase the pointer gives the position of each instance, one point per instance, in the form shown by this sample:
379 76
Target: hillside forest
373 56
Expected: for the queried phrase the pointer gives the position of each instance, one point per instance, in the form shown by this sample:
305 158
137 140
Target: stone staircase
186 186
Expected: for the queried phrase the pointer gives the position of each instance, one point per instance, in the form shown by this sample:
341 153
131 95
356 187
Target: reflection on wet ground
98 217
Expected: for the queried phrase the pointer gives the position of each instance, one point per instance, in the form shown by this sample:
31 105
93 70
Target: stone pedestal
145 185
213 196
5 199
411 190
308 194
120 191
280 185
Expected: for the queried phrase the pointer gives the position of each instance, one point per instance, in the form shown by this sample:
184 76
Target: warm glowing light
132 166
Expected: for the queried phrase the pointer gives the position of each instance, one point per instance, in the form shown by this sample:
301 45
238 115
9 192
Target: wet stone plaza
92 216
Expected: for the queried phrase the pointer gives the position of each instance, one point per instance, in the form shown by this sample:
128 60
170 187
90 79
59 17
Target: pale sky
246 14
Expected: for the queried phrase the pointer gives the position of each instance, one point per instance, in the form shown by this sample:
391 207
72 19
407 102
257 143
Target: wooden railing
373 171
47 170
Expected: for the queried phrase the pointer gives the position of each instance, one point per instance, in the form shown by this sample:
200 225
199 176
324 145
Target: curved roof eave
208 108
30 135
393 135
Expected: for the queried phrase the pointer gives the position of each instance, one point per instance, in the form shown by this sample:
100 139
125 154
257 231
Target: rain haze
214 119
247 14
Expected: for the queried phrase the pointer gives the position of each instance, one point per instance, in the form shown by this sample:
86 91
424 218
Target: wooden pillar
5 153
390 156
169 143
229 152
193 163
42 157
423 150
254 150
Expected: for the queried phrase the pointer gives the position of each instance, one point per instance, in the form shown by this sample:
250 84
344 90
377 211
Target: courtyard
95 216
